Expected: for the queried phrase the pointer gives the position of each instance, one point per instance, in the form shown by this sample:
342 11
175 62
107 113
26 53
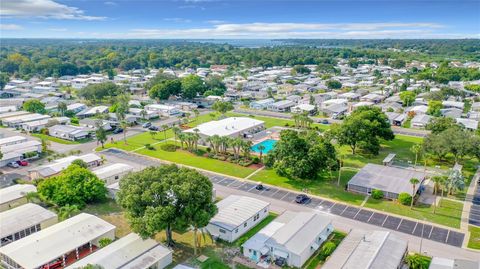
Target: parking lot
399 224
474 218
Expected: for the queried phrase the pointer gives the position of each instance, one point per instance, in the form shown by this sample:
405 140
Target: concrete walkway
468 202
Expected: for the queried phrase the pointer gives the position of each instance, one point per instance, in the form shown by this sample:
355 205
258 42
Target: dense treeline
26 57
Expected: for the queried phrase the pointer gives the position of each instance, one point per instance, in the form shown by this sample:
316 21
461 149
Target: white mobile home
69 240
57 166
68 132
293 237
113 173
130 251
163 110
262 104
14 196
23 221
12 140
236 215
368 249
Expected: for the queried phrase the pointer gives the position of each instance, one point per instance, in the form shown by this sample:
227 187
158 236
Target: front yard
474 241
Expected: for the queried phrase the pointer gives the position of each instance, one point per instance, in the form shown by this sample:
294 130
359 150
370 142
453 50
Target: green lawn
326 186
242 239
190 159
448 212
474 241
55 139
319 258
106 207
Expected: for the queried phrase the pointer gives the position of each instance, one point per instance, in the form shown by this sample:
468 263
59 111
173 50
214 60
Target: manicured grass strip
55 139
448 213
474 241
319 257
190 159
326 186
242 239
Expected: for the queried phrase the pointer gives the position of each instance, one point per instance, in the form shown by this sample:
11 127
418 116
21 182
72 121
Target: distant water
245 43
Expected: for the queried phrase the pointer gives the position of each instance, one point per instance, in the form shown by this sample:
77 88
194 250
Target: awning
264 250
280 253
315 246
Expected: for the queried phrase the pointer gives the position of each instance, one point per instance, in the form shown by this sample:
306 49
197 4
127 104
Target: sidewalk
467 206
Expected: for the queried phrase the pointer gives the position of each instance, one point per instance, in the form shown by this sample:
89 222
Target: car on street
260 187
153 128
325 122
22 163
302 199
147 124
117 131
13 165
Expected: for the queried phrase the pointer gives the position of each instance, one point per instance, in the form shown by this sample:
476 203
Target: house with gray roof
293 238
281 106
368 250
390 180
68 132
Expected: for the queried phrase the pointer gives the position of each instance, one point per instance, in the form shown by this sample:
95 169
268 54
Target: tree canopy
363 129
301 155
100 91
166 198
74 186
34 106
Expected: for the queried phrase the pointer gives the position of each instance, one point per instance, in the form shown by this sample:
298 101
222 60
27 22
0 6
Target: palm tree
164 129
246 148
261 148
153 134
143 113
455 181
196 137
414 182
31 196
176 132
67 211
416 149
340 162
62 107
196 112
124 126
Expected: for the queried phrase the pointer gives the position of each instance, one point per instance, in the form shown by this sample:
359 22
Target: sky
239 19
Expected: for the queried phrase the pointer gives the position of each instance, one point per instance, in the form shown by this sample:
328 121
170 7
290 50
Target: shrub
104 242
255 160
417 261
209 150
149 147
405 198
377 194
328 248
74 120
168 147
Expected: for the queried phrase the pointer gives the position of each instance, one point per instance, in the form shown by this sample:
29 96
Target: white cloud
177 20
110 3
295 30
216 21
48 9
10 27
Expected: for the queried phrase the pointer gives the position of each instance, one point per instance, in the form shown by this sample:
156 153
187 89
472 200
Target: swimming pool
267 144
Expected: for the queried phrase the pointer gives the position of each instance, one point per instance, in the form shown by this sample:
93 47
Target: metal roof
226 127
130 251
368 250
15 192
234 210
23 217
54 241
386 178
113 169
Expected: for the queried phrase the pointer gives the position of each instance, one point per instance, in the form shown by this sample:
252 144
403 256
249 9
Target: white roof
114 169
130 251
368 250
468 123
234 210
15 192
226 126
75 106
299 230
51 243
23 217
159 107
12 139
94 110
304 107
60 164
4 109
27 146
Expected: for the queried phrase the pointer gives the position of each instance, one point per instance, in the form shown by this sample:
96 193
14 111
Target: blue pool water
267 144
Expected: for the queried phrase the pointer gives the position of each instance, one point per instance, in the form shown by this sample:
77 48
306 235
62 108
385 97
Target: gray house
390 180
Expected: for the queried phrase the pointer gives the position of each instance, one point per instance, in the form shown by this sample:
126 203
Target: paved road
413 228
